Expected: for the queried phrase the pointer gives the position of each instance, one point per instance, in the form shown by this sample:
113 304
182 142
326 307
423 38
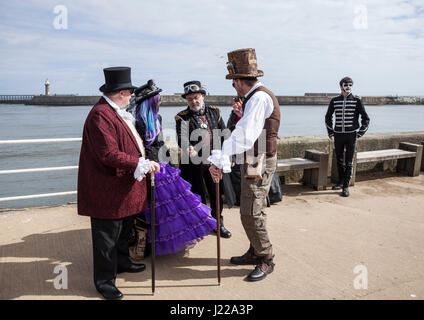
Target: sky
301 45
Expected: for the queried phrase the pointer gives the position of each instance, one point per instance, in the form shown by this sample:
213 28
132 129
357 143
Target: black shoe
345 192
248 258
261 270
338 186
224 232
110 292
133 268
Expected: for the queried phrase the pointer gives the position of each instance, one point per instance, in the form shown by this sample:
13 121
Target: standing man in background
347 109
202 120
260 113
111 180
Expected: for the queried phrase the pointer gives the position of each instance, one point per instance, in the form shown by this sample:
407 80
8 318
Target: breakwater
295 147
219 100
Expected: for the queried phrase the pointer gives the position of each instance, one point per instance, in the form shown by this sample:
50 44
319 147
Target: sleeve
249 127
101 133
246 132
181 129
365 119
329 118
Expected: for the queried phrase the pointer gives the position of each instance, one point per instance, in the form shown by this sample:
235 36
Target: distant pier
219 100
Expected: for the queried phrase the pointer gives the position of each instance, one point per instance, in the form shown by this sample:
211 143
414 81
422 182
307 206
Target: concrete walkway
319 239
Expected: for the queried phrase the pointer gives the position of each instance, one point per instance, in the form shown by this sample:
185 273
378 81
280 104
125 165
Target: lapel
129 132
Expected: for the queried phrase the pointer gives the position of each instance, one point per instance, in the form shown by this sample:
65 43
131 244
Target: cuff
220 160
142 169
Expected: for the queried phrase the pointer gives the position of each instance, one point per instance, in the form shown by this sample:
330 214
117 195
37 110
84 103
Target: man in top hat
195 132
347 109
111 180
257 131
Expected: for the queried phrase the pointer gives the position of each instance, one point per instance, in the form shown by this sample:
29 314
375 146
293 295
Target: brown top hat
242 63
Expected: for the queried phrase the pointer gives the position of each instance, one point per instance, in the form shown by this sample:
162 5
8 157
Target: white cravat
143 164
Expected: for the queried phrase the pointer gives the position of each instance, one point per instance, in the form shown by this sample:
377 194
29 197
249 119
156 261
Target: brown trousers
252 205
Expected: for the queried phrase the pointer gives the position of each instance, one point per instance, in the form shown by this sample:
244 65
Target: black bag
275 193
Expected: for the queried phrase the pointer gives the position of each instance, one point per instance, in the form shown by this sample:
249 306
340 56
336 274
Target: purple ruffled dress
181 217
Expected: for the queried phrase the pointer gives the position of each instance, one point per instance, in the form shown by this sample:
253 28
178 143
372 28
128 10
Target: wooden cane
152 227
218 230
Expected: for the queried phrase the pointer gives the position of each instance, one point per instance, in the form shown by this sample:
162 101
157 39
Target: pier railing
22 171
16 98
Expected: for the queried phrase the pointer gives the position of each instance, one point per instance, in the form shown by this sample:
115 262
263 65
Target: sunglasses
191 87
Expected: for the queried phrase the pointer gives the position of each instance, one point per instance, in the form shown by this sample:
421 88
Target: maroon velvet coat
109 156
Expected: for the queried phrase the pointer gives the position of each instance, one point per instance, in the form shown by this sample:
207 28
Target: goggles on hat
191 87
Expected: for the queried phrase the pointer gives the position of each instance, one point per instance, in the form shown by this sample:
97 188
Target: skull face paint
347 87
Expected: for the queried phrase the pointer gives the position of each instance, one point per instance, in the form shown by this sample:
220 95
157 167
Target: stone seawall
294 147
222 100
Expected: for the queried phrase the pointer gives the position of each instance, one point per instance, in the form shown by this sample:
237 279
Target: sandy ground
326 247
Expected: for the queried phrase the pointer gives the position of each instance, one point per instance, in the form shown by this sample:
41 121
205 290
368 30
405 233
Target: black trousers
111 240
202 184
344 145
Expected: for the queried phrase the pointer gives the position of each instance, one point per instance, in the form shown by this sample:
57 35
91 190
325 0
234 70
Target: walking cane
218 230
152 227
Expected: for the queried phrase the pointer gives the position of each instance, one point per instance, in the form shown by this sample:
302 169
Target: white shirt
248 129
143 164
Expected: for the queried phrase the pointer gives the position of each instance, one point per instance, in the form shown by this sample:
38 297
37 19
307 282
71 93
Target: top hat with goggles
193 87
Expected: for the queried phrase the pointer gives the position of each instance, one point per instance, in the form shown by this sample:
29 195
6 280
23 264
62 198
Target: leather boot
341 171
345 192
110 292
265 267
248 258
224 232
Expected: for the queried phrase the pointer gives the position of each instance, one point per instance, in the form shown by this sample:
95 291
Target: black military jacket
187 122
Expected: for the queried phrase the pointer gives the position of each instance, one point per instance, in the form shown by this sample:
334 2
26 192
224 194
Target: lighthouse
47 87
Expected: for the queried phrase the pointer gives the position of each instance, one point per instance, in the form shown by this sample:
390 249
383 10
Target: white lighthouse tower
47 87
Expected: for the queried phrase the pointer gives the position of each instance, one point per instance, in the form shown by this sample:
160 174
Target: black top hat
192 87
146 91
117 78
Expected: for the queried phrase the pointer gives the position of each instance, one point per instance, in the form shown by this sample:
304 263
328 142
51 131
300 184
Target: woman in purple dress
180 216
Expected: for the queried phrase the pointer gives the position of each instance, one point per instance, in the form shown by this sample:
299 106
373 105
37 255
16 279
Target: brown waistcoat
272 124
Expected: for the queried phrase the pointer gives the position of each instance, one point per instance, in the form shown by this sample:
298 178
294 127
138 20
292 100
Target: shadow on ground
27 267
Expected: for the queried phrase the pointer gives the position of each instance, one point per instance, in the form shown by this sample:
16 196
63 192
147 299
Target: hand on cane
216 173
153 167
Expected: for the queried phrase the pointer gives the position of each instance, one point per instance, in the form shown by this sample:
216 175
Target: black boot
224 232
264 268
341 171
346 182
337 186
248 258
345 192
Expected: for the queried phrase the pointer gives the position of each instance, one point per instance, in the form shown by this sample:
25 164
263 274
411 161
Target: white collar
112 104
121 111
258 84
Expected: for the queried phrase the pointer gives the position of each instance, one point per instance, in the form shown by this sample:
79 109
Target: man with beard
257 131
195 130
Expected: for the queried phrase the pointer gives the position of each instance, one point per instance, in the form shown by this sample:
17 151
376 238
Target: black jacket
347 111
187 121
